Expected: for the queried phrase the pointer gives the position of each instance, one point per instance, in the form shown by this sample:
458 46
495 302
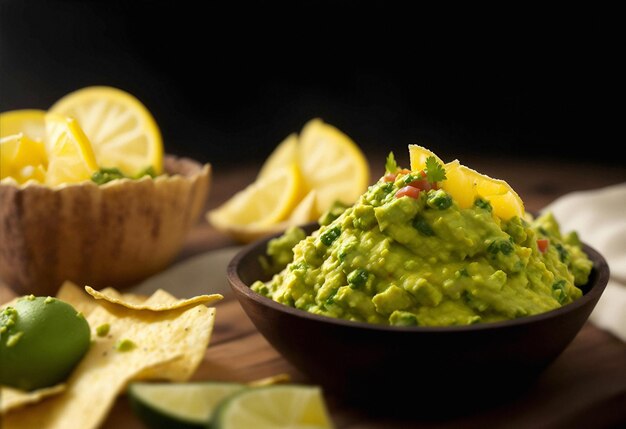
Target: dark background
229 83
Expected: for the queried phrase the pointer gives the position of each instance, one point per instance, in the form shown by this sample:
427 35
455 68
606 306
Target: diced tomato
422 184
542 244
390 177
408 191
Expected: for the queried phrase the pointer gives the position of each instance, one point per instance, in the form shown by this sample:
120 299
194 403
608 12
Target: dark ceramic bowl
374 364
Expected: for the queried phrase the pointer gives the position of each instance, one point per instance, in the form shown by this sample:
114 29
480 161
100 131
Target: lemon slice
121 129
332 164
285 154
274 407
22 159
465 185
303 213
29 122
418 156
264 202
70 157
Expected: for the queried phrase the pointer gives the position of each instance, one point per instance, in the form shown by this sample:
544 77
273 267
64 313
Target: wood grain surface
584 388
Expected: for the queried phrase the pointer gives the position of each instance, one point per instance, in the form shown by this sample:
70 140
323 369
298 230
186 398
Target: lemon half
122 131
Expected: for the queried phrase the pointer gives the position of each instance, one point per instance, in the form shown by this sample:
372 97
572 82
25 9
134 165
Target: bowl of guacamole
412 292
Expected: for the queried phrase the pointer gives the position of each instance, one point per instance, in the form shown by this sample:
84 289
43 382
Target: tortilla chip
13 398
178 336
77 298
151 305
131 298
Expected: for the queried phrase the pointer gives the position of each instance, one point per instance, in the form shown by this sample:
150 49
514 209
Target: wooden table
585 387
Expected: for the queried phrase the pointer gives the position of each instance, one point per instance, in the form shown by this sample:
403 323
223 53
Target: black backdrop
227 83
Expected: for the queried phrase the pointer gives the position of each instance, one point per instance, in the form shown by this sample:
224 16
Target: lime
178 405
274 407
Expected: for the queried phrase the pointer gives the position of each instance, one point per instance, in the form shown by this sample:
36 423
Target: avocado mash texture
408 258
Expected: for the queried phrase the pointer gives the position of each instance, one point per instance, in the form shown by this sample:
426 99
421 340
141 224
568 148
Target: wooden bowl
423 368
115 235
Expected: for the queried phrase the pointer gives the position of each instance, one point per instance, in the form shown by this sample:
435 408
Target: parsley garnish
391 166
434 171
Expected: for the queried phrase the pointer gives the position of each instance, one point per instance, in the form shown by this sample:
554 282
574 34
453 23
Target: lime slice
123 132
274 407
178 405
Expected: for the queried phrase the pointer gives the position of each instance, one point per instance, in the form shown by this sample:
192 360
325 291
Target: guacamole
41 340
414 258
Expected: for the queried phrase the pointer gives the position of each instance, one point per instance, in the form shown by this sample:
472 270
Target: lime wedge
274 407
178 405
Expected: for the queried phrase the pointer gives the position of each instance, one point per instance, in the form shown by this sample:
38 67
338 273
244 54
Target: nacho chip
77 298
13 398
150 303
178 336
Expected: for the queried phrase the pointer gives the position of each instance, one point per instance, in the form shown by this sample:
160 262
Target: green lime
42 339
274 407
178 405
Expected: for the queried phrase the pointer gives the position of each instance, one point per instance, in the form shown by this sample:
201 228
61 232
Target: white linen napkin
599 217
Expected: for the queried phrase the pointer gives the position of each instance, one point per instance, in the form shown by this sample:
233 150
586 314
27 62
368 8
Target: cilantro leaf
434 170
391 166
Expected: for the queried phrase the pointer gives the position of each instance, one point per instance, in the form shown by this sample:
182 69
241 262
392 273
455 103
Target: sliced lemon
418 156
332 164
179 405
22 159
262 203
121 129
70 157
29 122
303 213
285 154
465 185
274 407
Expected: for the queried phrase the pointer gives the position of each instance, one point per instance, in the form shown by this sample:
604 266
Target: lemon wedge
264 202
29 122
285 154
332 164
323 164
303 213
122 131
418 156
70 157
465 185
22 159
